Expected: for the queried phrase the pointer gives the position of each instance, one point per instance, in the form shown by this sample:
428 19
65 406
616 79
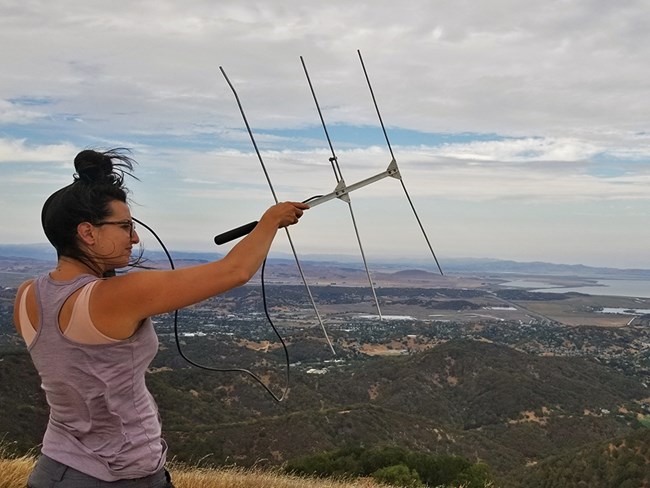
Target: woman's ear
86 232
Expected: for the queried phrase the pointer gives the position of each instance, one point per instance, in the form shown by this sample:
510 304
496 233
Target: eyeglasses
127 225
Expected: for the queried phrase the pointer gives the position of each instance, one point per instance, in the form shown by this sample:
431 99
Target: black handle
234 233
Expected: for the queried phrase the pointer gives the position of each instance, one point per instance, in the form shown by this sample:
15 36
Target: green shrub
394 465
398 475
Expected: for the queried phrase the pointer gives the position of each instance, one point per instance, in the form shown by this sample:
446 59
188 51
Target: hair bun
93 166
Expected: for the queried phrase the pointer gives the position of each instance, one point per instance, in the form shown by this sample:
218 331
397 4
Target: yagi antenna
342 190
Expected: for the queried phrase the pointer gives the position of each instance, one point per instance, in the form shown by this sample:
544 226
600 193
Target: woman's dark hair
99 179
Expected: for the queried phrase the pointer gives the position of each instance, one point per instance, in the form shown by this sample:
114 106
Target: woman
91 338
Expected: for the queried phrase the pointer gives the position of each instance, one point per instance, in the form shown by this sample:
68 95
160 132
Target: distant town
419 309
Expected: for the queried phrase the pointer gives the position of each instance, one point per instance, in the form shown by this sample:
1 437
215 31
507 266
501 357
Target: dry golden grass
15 471
190 477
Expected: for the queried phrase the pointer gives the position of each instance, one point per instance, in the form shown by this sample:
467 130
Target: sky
520 128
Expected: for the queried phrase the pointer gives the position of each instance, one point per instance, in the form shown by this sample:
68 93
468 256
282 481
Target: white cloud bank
561 86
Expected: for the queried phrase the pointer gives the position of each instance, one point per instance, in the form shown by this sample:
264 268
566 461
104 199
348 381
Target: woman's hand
285 213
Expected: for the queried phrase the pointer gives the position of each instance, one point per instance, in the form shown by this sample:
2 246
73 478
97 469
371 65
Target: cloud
18 113
560 86
436 68
21 151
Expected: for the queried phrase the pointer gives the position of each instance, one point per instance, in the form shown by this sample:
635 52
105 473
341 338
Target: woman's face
115 237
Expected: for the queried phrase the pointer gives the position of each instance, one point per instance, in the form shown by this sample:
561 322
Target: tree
373 459
475 476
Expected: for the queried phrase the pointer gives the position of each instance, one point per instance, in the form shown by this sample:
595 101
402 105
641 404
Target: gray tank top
103 420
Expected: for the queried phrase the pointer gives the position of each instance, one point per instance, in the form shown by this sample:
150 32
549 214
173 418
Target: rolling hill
480 400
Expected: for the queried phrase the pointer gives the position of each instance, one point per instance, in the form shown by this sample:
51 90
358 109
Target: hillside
475 399
620 463
479 400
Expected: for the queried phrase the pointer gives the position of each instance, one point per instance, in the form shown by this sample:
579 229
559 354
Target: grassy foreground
14 473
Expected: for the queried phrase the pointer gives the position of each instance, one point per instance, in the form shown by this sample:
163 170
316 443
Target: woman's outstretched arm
118 305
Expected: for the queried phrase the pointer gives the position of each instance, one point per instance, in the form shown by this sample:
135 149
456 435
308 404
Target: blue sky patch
32 101
346 136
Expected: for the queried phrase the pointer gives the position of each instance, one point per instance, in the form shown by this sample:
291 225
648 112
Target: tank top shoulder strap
81 327
50 297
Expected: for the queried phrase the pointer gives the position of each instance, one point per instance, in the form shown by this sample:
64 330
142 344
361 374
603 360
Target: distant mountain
462 266
413 274
43 252
46 252
470 265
